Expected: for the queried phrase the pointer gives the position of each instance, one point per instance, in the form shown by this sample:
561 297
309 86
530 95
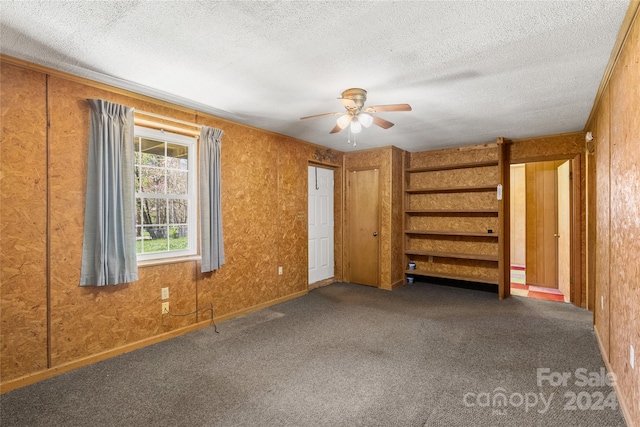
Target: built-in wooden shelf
488 212
439 254
426 273
452 233
449 214
468 189
452 167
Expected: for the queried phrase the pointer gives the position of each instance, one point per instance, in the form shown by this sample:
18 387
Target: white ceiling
472 71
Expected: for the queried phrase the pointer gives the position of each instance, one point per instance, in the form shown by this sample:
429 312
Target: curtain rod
164 126
158 116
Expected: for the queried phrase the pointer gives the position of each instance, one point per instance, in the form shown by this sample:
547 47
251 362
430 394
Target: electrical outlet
280 270
165 293
165 307
632 357
602 301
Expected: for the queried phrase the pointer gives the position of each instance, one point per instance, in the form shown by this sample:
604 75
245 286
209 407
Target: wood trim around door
576 221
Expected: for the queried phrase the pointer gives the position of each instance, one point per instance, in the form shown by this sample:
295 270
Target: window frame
192 193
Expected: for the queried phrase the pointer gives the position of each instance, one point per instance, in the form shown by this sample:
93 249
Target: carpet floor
348 355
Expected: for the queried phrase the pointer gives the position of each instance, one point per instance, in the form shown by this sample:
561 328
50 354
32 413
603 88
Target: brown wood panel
23 231
461 200
488 175
461 267
548 147
397 232
453 156
448 223
603 243
624 268
590 220
458 244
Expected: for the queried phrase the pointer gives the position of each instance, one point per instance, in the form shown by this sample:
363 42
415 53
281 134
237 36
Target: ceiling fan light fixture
356 127
343 121
365 119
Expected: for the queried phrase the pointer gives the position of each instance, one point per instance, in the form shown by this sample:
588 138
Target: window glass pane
178 211
136 144
137 179
152 152
154 211
151 180
177 182
178 237
158 241
163 193
141 235
177 156
138 215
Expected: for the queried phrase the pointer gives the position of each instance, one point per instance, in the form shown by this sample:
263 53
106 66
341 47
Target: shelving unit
453 219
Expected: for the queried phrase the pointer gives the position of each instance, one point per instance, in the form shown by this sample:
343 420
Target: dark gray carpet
345 355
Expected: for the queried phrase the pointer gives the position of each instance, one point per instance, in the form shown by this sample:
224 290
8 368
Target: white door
320 224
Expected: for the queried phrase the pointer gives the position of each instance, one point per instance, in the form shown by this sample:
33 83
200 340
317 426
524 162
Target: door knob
375 234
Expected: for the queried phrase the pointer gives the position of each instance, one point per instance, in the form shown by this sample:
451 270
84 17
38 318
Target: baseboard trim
321 283
624 407
94 358
398 283
261 306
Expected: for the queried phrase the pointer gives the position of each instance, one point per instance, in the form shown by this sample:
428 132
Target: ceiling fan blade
384 124
390 107
336 129
319 115
348 103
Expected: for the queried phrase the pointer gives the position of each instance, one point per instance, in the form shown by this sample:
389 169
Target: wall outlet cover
165 293
165 307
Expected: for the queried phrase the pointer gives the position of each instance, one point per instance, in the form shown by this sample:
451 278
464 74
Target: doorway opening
542 230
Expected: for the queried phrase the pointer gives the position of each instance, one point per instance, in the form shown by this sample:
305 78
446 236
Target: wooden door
518 215
364 226
564 228
541 227
320 231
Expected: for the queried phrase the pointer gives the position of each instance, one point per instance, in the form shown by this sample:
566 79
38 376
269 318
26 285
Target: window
166 195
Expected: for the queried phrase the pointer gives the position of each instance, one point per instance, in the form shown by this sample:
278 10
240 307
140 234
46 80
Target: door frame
338 198
334 169
347 230
575 218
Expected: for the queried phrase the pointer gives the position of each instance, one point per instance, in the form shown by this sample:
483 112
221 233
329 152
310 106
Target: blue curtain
211 239
109 244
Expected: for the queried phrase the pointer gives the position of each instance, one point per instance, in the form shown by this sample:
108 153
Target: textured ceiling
472 71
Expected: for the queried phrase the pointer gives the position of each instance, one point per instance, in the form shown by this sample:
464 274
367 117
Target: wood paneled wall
23 230
48 322
389 161
616 129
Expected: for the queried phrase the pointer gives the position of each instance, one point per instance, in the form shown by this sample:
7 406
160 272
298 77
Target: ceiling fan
356 116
